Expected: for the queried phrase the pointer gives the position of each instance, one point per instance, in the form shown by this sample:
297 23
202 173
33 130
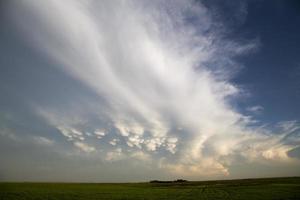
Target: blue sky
271 72
132 91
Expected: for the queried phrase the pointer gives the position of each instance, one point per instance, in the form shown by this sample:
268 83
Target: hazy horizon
133 90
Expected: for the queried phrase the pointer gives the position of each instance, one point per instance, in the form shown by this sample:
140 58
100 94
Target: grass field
274 188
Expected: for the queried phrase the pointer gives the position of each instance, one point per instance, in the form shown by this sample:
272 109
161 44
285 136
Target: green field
274 188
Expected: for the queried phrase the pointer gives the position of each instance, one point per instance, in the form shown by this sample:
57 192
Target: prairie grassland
271 188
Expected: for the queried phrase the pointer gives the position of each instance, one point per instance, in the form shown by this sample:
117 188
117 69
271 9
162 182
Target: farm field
271 188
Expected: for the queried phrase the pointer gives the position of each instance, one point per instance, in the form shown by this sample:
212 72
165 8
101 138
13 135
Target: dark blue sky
272 72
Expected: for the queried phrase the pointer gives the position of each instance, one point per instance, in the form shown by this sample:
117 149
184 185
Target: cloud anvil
118 86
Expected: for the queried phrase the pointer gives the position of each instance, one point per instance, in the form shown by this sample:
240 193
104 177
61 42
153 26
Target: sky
126 91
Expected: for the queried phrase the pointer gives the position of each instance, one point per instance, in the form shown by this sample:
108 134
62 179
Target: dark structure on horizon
175 181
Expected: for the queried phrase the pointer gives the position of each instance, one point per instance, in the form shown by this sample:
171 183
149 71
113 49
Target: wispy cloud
255 109
164 81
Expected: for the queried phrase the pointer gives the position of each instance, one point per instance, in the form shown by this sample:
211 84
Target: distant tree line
175 181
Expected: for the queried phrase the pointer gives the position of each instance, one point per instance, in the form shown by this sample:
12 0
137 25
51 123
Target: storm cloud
160 94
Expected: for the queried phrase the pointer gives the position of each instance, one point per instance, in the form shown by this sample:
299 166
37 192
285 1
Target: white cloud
153 144
155 72
205 167
276 153
255 109
114 142
114 155
135 140
43 141
84 147
289 126
99 133
171 145
140 155
126 129
71 133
